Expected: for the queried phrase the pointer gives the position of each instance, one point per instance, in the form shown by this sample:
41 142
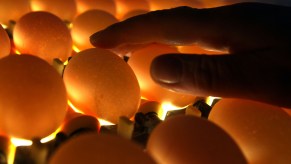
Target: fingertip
167 69
99 39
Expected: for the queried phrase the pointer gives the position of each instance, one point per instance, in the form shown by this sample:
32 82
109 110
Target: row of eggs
26 80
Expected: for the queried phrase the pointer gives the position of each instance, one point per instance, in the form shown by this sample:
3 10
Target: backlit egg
133 13
94 148
164 4
13 10
140 62
105 5
100 83
190 139
87 24
44 35
126 6
262 131
64 9
4 42
33 99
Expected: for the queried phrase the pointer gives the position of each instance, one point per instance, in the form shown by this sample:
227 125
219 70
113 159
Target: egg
190 139
44 35
105 5
261 130
101 84
87 24
33 99
126 6
13 10
133 13
4 42
164 4
140 62
64 9
77 121
6 149
94 148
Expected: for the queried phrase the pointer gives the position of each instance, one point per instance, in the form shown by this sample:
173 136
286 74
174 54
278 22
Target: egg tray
143 125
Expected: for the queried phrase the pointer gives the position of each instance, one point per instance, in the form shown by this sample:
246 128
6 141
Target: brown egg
190 139
87 24
133 13
64 9
44 35
94 148
4 42
100 83
164 4
262 131
12 10
140 62
33 99
126 6
75 121
105 5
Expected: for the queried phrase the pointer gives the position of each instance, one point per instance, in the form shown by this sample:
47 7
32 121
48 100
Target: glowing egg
33 99
126 6
64 9
94 148
164 4
87 24
190 139
140 62
261 130
100 83
13 10
4 42
105 5
133 13
44 35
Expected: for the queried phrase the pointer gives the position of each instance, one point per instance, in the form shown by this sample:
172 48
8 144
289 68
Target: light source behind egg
100 83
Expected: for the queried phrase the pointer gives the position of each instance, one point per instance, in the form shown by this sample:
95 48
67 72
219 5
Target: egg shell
150 106
101 84
190 139
94 148
133 13
262 131
56 7
105 5
126 6
140 62
44 35
33 99
87 23
164 4
12 10
4 42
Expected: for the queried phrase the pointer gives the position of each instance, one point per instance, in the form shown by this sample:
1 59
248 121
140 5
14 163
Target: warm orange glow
166 106
11 154
50 137
209 100
74 108
104 122
4 26
76 49
20 142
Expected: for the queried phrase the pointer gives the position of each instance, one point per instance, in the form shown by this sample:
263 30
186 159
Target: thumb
257 76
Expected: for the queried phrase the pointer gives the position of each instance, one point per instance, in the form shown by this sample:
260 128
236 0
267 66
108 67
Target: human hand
257 36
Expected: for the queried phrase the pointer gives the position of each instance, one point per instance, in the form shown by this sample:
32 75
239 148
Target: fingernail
167 69
93 37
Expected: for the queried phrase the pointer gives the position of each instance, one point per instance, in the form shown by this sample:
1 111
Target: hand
258 37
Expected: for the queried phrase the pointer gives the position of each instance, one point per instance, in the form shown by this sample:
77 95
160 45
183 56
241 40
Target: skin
257 37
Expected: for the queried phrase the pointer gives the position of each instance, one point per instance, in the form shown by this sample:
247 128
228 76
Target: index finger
239 27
